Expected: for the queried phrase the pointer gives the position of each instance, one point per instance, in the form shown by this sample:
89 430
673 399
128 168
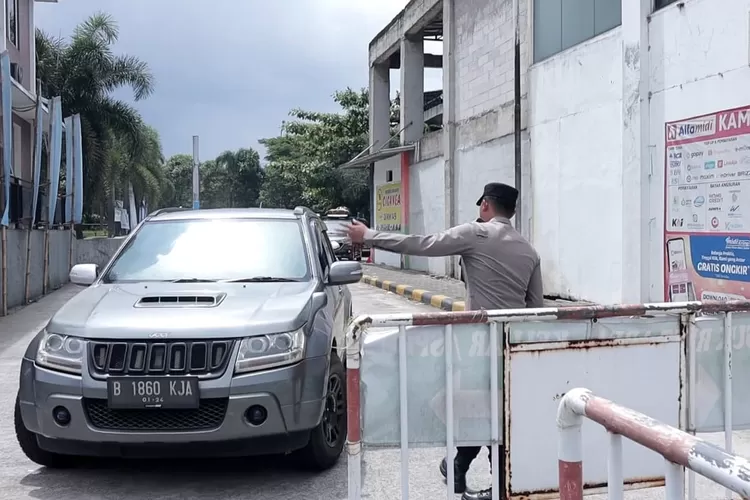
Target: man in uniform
500 268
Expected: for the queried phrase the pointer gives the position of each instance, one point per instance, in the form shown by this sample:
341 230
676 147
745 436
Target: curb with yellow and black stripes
431 299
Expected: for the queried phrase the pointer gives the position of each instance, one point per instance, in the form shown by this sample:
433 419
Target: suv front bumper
292 396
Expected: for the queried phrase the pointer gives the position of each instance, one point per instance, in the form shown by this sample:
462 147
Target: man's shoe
459 478
479 495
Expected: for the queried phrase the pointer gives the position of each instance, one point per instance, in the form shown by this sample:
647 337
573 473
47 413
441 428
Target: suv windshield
336 227
212 250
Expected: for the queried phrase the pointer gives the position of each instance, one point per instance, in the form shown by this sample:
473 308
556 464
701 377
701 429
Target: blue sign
721 257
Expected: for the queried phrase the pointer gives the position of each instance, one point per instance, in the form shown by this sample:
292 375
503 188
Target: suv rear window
225 249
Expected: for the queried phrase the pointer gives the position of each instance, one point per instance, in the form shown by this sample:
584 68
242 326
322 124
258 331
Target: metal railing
679 449
498 323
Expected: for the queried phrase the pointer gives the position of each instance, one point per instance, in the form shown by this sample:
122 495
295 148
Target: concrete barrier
88 251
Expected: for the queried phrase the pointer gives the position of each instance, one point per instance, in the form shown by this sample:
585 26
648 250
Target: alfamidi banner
77 170
7 109
707 216
55 155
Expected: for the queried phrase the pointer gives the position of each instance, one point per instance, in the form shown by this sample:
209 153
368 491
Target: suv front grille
206 359
208 416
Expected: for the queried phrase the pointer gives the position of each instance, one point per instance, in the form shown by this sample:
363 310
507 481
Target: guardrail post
404 412
615 488
570 446
674 483
354 436
449 441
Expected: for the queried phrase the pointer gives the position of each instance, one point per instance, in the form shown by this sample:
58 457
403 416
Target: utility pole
196 175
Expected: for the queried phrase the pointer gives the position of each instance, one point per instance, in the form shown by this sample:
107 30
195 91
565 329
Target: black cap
508 195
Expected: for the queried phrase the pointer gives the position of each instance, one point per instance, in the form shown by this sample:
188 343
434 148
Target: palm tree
244 176
143 168
85 72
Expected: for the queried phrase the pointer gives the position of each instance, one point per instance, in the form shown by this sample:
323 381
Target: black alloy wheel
334 424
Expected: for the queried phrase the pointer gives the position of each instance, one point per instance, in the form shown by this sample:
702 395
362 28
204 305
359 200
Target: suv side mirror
84 274
344 273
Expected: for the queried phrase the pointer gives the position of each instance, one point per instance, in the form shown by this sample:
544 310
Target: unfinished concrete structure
569 101
451 141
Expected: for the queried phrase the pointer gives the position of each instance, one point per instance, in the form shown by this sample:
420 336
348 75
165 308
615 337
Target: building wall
21 54
23 170
427 207
88 251
698 64
485 52
484 55
576 139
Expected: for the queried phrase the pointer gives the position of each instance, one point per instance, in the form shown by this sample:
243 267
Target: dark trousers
466 454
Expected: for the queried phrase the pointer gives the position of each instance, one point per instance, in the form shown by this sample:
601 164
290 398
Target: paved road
269 479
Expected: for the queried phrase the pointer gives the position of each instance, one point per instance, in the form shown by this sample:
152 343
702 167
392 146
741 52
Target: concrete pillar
412 89
380 121
636 152
449 123
412 115
380 106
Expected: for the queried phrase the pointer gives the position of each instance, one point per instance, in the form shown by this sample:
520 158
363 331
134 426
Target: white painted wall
576 142
381 168
489 162
427 208
698 64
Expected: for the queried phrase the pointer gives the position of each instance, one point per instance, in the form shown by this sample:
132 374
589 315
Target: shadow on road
269 478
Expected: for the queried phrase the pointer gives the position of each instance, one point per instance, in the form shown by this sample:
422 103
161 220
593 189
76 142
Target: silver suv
209 333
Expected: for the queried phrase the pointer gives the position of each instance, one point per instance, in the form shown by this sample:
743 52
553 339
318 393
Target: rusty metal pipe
676 446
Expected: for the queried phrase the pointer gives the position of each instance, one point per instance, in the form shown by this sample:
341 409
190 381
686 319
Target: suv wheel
30 446
327 439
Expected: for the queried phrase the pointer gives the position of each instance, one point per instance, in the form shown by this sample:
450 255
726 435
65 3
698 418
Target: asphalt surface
267 478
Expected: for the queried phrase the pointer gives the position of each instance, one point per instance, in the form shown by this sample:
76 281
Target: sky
229 71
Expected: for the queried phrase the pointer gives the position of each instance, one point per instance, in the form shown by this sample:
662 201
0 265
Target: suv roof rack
166 211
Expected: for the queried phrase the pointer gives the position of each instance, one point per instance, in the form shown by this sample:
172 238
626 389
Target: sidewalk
444 293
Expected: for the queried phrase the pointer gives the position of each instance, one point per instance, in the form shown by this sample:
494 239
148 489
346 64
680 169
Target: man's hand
357 231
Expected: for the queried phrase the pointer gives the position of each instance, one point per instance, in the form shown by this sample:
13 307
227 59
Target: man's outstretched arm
454 241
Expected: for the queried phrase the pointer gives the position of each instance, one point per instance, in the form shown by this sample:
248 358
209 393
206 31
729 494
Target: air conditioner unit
16 72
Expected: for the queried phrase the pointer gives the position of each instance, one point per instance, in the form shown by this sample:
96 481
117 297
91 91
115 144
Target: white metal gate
673 361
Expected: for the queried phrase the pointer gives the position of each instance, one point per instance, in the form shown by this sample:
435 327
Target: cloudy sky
230 70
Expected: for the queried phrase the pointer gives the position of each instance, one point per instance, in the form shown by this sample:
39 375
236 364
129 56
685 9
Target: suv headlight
269 351
61 352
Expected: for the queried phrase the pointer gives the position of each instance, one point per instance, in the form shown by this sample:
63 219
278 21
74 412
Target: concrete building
18 38
596 84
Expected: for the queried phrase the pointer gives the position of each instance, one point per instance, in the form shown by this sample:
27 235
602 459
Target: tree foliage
232 180
85 72
303 163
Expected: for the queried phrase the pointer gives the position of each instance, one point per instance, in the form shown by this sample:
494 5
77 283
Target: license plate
153 392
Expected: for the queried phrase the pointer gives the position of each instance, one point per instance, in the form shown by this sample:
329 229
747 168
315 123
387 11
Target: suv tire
30 446
328 438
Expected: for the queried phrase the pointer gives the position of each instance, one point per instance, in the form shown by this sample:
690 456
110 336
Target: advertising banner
7 124
707 207
77 169
69 161
388 207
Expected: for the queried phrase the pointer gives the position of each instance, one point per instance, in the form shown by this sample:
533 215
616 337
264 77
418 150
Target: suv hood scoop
185 311
204 300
